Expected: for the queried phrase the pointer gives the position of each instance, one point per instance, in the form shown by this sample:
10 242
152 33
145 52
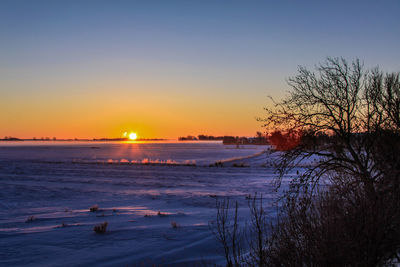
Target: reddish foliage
285 141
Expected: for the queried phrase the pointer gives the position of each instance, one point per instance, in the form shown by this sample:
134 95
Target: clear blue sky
165 68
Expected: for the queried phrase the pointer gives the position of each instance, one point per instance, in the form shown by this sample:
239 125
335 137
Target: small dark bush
217 164
100 228
159 213
94 208
174 224
30 219
240 165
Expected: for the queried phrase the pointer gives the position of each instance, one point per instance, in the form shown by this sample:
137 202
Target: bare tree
345 103
258 232
349 121
227 232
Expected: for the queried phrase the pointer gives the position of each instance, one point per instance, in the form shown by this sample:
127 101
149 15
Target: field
157 211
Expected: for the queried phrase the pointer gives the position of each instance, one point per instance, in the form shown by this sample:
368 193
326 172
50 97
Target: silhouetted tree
345 121
227 233
342 101
350 124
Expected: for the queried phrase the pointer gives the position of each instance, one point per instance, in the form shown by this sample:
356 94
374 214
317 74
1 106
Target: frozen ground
57 184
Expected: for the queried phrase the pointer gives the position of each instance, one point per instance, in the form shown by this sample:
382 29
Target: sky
164 69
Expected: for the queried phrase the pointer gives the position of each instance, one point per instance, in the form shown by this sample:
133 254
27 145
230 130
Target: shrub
227 232
174 224
100 228
343 226
159 213
240 165
94 208
30 219
217 164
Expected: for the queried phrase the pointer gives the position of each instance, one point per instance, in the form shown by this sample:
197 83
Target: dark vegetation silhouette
228 233
284 141
100 228
343 209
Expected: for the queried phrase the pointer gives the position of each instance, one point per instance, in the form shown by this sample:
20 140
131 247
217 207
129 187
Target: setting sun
132 136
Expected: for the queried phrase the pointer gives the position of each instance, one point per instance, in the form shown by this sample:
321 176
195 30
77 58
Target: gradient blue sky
170 68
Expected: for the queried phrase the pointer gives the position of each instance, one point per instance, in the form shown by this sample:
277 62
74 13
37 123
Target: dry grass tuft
100 228
94 208
159 213
30 219
174 225
240 165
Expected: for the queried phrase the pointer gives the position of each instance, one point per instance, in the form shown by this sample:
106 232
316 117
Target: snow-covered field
141 189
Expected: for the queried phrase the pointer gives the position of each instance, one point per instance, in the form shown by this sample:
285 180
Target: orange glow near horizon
102 115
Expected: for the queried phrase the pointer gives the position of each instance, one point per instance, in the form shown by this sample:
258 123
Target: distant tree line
210 137
10 138
259 139
188 138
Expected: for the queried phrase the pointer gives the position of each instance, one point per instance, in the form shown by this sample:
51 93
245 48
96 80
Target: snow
57 183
